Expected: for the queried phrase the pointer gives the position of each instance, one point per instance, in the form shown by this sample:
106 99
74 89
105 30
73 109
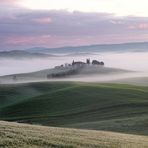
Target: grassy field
108 107
13 135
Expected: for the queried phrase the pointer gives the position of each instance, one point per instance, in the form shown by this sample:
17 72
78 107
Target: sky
56 23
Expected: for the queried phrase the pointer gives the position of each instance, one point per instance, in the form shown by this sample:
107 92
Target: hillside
123 47
141 81
18 54
86 72
108 107
22 135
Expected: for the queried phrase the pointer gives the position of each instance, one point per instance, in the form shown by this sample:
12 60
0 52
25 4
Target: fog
128 68
130 61
136 61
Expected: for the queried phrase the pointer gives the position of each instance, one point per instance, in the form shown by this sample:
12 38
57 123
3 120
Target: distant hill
65 74
124 47
22 54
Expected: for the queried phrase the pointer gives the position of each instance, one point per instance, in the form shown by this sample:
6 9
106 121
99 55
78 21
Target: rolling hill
14 135
123 47
108 107
82 74
19 54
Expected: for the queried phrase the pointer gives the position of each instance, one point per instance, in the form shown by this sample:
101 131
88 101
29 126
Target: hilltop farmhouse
88 62
74 68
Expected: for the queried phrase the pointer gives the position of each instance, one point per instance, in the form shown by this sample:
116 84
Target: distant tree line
63 74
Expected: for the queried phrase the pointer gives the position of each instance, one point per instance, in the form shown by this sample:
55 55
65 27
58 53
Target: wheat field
14 135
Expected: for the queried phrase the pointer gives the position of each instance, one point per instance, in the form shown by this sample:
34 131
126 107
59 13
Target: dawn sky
118 7
55 23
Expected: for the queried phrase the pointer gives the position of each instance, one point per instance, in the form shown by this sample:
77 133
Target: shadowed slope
110 107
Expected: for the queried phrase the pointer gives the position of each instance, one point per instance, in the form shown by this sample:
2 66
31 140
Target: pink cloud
141 26
9 2
44 21
23 40
31 28
58 41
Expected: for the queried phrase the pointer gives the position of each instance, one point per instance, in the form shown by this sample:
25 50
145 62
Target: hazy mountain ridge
22 54
123 47
41 52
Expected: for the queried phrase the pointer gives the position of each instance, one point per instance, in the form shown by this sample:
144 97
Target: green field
14 135
108 107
